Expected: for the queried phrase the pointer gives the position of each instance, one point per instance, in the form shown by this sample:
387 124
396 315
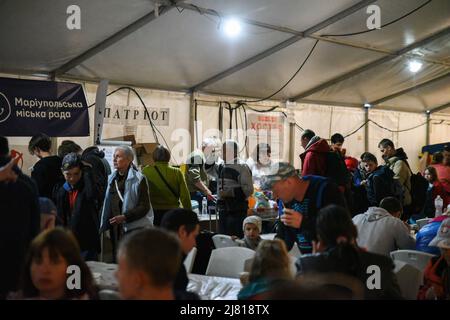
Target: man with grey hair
235 185
202 171
127 204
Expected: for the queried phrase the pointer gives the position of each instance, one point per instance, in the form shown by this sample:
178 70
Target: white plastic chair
421 222
223 241
295 251
268 236
190 259
409 279
417 259
228 262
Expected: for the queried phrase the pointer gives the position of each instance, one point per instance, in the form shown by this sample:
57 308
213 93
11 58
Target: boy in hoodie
379 179
314 159
380 229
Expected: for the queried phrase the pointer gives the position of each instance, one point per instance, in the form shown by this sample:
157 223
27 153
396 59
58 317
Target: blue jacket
131 197
426 234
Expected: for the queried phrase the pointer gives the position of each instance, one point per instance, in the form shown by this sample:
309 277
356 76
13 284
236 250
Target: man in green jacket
396 160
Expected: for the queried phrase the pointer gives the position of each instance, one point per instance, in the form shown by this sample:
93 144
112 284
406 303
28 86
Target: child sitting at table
252 227
437 272
46 275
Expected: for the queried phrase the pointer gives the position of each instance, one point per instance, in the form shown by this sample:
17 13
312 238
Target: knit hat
278 171
442 239
255 220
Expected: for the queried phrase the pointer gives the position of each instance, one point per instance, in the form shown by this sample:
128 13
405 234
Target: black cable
384 25
293 76
396 131
356 130
257 110
294 122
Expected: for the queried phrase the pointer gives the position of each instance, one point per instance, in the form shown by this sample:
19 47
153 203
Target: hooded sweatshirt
402 172
382 233
314 159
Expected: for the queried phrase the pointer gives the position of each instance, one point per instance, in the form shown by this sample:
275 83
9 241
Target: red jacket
314 158
438 189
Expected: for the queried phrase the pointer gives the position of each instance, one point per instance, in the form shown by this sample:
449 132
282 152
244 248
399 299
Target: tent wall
324 120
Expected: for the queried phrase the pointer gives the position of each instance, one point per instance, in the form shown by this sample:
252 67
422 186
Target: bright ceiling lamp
414 66
232 27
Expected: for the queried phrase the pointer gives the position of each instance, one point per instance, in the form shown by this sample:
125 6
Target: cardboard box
143 151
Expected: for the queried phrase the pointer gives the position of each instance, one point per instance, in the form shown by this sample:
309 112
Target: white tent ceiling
182 49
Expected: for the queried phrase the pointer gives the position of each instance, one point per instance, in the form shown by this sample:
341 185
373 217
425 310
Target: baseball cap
278 171
70 161
442 239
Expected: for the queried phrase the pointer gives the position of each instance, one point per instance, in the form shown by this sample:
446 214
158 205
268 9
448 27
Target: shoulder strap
166 183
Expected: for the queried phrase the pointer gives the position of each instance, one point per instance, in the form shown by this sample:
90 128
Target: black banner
27 107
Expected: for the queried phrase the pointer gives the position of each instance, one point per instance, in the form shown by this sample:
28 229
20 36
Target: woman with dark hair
45 273
435 189
168 188
335 250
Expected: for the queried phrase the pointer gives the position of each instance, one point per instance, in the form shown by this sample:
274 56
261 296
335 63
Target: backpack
419 187
336 170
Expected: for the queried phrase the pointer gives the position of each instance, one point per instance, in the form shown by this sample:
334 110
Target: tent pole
192 121
366 129
291 142
427 140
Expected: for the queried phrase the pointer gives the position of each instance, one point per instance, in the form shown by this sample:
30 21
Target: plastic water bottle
438 204
205 206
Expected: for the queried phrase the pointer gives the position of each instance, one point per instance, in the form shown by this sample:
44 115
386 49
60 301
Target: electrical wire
292 78
384 25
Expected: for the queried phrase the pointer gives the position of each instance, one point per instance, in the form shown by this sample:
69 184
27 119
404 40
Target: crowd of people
344 214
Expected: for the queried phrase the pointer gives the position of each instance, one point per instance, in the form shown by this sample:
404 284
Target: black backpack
336 169
419 187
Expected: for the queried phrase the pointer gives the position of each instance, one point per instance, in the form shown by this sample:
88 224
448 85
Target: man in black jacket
186 225
20 221
77 207
47 171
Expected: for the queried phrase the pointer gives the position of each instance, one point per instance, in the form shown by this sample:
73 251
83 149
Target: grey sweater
380 232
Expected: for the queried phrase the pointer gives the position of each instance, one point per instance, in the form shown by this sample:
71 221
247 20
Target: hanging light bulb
414 66
232 27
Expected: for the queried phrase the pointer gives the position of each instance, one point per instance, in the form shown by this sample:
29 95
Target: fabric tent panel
176 133
439 131
378 82
266 76
387 119
297 14
35 35
412 140
208 119
439 49
422 99
400 34
327 120
154 57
